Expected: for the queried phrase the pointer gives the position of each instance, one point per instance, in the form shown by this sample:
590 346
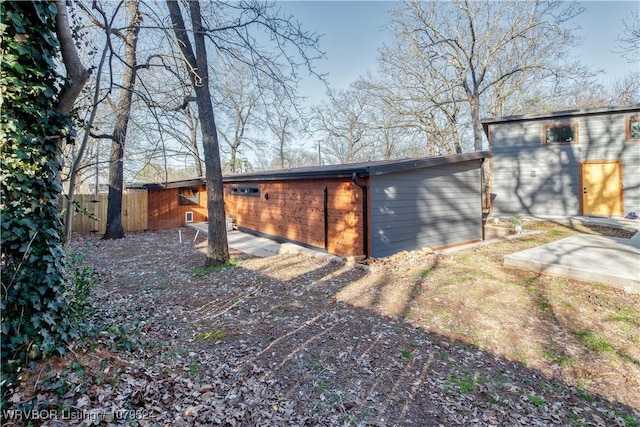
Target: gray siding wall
536 179
431 207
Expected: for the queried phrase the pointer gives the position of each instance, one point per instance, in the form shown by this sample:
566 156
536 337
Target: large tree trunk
474 104
76 72
217 249
77 76
123 112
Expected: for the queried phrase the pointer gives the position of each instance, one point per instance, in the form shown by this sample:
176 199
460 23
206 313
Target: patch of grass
629 420
207 269
537 400
626 356
628 315
557 232
574 420
194 369
216 335
528 240
322 385
585 395
316 366
465 384
544 304
425 272
595 341
552 354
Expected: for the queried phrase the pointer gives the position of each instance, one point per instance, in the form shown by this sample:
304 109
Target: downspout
482 198
365 214
326 218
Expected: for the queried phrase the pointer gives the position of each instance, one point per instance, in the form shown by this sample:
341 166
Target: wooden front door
602 188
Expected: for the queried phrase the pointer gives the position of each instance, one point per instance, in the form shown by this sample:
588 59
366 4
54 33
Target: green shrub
33 303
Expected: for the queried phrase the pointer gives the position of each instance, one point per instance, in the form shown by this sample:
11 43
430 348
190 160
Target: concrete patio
609 260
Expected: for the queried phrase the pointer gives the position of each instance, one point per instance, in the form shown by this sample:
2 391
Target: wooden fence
93 215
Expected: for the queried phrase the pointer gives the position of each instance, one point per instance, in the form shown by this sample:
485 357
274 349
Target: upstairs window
188 196
245 190
633 128
563 133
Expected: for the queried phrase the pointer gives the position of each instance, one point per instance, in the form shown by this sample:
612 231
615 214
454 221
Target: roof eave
428 162
296 175
561 114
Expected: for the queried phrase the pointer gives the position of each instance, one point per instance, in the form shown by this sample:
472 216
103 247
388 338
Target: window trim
545 127
245 190
627 128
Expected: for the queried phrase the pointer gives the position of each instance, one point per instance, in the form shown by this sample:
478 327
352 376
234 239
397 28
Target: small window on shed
245 190
188 196
563 133
633 128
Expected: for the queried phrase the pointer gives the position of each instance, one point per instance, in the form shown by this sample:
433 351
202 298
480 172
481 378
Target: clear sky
353 32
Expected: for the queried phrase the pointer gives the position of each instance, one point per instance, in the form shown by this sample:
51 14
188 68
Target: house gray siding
432 207
531 178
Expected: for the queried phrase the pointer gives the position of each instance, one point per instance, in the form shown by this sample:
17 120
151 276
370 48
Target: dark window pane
634 129
560 134
245 190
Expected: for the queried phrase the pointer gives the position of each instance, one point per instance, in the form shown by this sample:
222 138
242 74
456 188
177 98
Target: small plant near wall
516 222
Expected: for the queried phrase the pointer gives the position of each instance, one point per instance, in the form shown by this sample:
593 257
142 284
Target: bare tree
343 125
629 40
282 119
419 101
129 38
217 248
626 89
229 32
474 53
77 74
237 96
77 158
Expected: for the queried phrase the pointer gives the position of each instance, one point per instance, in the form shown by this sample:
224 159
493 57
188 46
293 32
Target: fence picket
93 215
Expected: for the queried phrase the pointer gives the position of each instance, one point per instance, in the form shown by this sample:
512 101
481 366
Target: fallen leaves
266 343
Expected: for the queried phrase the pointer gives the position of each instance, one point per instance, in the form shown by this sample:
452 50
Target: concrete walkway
609 260
243 242
260 246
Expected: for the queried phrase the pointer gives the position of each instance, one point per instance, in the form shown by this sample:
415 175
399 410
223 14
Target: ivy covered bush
34 298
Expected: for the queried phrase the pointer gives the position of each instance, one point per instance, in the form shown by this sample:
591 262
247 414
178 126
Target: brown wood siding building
370 209
323 213
168 204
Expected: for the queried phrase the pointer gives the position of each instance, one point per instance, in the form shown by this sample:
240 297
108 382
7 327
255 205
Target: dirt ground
418 339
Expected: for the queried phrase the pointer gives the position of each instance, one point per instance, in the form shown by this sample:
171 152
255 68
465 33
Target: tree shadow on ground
373 368
352 362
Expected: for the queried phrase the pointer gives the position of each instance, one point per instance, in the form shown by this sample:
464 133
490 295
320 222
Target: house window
188 196
633 128
563 133
245 190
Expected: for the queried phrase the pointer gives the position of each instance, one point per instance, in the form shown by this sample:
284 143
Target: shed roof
562 114
153 186
347 170
364 169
